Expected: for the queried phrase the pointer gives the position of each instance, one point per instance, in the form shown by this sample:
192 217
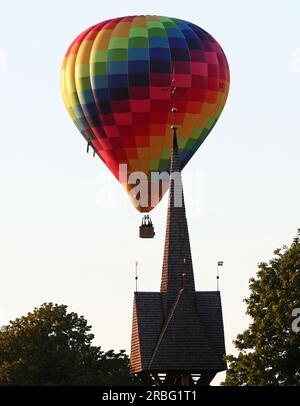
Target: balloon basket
146 228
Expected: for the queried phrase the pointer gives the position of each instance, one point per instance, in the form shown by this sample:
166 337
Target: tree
53 347
269 350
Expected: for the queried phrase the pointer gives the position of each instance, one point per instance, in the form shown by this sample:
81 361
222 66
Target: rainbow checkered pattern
116 82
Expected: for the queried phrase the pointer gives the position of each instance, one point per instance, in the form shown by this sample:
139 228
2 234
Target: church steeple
177 270
177 332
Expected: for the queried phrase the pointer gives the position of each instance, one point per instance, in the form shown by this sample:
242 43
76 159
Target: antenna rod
219 263
136 275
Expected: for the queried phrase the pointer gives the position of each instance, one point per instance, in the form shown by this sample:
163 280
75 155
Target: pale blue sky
59 243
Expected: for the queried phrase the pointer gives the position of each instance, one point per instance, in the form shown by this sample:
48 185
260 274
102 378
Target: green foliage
269 348
53 347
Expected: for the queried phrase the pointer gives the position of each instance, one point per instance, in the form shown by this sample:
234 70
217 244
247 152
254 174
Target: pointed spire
177 272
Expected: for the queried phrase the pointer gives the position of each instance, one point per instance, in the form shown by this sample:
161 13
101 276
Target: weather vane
219 263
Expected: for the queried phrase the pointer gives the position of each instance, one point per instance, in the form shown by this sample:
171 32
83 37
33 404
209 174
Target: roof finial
173 92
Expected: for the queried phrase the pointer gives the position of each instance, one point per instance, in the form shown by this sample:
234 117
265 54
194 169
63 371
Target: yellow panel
157 141
102 39
190 120
186 131
122 29
152 18
83 55
139 22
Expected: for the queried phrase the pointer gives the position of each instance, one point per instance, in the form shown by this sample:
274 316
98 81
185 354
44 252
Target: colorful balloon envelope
117 86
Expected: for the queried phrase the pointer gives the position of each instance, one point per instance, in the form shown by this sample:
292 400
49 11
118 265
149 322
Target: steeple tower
177 333
177 269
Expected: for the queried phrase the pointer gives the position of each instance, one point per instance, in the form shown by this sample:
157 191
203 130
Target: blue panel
82 123
180 54
160 54
138 54
158 42
90 110
200 33
77 110
177 43
189 34
181 24
118 80
138 66
102 94
87 96
116 67
99 82
174 33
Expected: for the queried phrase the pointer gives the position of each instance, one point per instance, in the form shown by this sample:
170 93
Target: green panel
190 143
85 83
117 54
138 42
210 123
165 18
165 153
196 132
153 164
118 43
164 164
204 133
181 142
99 56
157 32
152 24
99 68
169 24
138 32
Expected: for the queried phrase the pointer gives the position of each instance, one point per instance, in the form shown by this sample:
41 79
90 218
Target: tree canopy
269 350
53 347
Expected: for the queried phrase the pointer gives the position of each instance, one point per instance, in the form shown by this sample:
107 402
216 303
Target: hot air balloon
120 80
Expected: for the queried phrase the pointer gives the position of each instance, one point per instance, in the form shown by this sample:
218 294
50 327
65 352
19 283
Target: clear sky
68 236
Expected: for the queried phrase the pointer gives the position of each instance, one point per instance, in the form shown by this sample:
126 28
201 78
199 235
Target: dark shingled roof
193 340
177 328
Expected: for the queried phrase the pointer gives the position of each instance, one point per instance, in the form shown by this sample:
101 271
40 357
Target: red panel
107 119
123 118
140 105
160 79
160 106
111 131
120 106
158 118
140 117
139 92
